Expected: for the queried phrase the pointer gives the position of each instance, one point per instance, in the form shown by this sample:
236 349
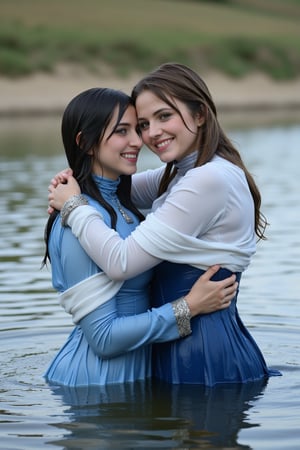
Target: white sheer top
206 217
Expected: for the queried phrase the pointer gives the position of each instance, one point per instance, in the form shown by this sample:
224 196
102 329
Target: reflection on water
158 415
144 415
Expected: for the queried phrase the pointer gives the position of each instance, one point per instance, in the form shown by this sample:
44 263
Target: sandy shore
43 94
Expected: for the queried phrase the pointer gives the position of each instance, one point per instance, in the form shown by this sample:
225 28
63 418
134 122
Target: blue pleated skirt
220 348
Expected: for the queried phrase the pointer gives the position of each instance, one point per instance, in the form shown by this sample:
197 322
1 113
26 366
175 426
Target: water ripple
33 326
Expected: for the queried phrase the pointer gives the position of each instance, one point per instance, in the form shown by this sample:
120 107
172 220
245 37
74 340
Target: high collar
187 163
107 186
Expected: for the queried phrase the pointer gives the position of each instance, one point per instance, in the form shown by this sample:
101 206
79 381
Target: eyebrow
157 112
120 124
124 124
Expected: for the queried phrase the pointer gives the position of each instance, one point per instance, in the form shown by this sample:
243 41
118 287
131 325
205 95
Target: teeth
129 156
162 144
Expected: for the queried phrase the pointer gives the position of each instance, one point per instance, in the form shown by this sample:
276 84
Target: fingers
57 196
227 295
50 194
50 209
72 182
53 182
230 290
229 281
211 271
61 177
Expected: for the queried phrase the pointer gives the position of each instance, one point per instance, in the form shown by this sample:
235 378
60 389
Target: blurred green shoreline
235 37
50 51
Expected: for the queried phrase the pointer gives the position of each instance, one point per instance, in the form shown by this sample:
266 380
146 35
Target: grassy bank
235 37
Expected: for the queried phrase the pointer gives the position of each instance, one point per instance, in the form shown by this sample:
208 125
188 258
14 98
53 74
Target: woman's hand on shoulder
207 296
59 178
62 192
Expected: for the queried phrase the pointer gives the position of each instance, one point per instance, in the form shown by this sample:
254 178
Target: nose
136 140
154 129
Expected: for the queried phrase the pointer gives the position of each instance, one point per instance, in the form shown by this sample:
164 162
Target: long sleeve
110 335
210 209
113 316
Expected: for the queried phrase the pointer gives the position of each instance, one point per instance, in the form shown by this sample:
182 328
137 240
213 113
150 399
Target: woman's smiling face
163 130
118 151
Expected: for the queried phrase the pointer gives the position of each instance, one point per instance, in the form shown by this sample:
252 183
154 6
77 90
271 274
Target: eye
165 116
122 131
143 125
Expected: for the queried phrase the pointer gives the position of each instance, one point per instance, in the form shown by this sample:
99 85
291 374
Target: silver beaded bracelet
183 316
69 205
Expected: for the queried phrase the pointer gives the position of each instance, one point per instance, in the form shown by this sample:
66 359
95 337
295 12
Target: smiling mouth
163 144
132 157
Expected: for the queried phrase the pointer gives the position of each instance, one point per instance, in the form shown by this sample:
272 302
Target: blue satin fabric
220 348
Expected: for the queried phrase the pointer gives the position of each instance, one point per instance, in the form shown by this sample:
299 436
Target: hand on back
207 296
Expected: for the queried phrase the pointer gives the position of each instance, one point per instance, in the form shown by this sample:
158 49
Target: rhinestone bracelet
183 316
69 205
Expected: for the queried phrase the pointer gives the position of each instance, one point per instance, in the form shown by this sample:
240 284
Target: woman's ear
200 118
78 142
78 135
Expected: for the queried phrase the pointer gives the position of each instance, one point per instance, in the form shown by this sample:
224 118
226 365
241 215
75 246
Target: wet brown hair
179 82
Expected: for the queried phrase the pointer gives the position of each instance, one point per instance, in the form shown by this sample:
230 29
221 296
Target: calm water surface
33 326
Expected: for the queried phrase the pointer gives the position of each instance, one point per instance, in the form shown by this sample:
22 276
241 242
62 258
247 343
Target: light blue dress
112 343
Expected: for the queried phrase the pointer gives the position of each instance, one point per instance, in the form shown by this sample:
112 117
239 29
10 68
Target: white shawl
86 296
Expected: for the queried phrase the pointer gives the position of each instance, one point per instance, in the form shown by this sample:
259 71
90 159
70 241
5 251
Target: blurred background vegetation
235 37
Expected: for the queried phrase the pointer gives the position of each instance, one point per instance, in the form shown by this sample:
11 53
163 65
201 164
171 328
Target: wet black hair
84 123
